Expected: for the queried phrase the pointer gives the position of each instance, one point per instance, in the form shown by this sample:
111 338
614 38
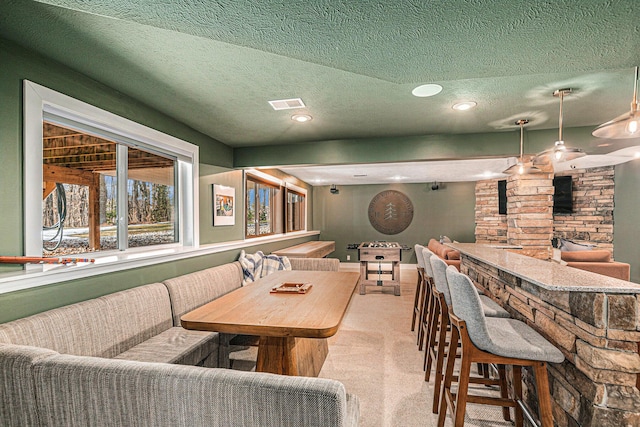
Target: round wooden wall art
390 212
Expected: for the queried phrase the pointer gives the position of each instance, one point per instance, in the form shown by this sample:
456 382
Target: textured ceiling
215 64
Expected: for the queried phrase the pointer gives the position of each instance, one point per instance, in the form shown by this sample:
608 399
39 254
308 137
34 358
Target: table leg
291 355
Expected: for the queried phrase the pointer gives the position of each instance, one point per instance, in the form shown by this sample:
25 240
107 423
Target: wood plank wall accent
599 333
593 206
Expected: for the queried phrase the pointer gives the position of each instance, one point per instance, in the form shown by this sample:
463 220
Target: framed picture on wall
223 205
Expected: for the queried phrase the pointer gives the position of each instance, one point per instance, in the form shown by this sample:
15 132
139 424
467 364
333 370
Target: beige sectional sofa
124 359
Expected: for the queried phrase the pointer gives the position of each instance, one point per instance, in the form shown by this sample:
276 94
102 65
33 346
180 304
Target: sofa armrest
122 392
316 264
17 387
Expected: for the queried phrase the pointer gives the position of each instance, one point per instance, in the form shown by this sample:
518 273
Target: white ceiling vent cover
287 104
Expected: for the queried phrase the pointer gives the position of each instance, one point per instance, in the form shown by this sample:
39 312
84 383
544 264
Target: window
296 210
81 194
263 215
272 206
101 182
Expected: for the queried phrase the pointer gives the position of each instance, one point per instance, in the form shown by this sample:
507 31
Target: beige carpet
374 354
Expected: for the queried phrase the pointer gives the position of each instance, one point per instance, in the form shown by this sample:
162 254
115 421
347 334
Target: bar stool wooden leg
446 397
425 317
504 392
517 391
417 299
544 398
440 358
434 328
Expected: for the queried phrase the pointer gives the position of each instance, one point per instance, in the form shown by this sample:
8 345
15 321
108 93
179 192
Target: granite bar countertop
546 274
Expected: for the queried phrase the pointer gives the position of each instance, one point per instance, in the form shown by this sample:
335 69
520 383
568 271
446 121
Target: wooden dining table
293 328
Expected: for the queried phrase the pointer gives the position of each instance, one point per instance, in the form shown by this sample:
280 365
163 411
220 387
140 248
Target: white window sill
113 261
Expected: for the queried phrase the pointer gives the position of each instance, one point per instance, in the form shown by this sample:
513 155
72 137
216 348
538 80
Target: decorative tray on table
291 288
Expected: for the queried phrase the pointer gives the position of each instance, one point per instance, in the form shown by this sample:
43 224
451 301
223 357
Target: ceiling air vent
287 104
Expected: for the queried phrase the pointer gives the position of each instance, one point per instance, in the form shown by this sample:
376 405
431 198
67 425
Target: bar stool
436 340
426 301
419 287
492 340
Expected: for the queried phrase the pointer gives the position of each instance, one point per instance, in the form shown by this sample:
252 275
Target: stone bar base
599 333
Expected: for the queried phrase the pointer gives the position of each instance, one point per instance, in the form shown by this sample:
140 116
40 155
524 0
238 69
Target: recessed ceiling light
427 90
464 106
301 118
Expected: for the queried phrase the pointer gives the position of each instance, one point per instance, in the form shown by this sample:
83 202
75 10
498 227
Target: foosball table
379 259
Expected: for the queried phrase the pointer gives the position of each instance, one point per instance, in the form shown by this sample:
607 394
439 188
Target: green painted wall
344 217
626 230
215 234
19 64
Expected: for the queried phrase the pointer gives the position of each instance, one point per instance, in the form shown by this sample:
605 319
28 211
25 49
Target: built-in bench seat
119 355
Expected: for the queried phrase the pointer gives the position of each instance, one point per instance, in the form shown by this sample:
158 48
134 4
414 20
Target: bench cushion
101 327
177 345
192 290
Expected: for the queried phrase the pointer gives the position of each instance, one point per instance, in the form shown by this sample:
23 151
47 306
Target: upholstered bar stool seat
490 308
492 340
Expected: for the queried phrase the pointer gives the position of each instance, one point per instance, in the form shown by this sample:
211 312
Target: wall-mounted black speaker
502 197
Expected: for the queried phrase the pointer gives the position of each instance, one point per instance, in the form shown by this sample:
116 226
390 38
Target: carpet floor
374 354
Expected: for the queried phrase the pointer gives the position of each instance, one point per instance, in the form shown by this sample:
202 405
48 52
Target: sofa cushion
272 263
102 327
453 254
192 290
597 255
251 266
443 251
568 245
177 345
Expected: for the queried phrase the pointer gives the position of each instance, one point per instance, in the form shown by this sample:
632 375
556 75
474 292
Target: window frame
260 178
290 188
280 216
41 102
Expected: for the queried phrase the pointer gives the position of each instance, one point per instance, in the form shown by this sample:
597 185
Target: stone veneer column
530 213
491 227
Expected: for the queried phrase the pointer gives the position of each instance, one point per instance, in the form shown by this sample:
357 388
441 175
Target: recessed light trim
301 118
426 90
464 106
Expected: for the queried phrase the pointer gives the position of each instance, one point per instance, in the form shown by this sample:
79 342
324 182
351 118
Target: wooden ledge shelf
315 249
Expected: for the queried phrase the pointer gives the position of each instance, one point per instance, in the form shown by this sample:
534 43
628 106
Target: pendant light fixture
522 167
626 125
560 152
